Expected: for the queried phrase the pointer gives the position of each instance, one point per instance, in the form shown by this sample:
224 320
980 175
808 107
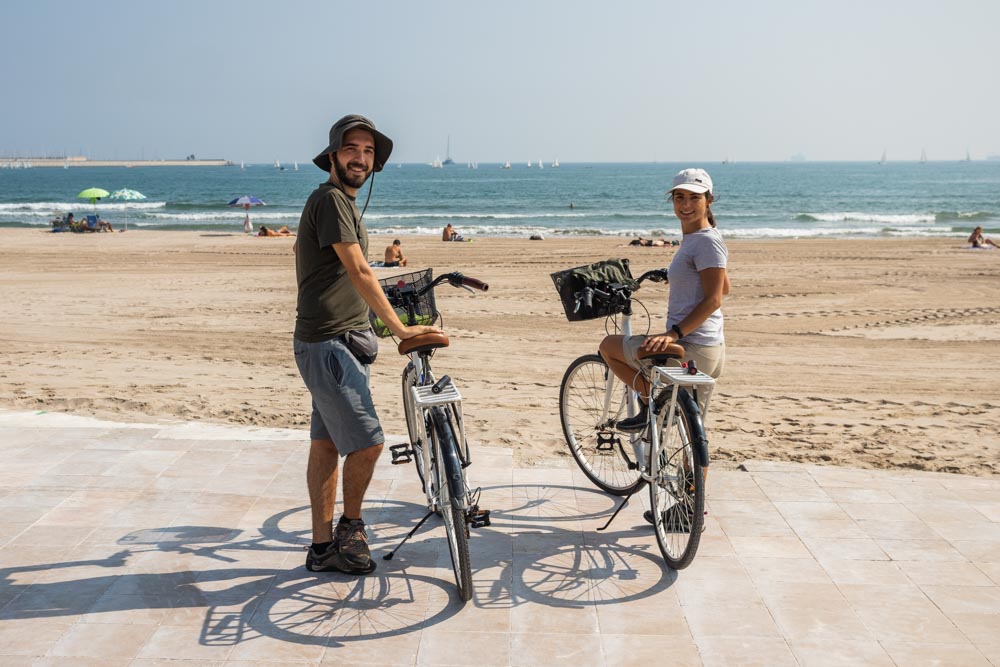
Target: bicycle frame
418 414
674 379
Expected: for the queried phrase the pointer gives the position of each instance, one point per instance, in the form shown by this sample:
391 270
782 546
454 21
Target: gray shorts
342 406
709 358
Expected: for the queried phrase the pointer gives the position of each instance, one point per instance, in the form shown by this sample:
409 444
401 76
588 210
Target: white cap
693 180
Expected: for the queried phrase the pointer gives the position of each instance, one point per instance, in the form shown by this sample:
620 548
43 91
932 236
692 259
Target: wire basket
424 309
570 282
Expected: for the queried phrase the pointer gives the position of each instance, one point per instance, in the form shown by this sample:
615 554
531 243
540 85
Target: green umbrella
93 194
126 195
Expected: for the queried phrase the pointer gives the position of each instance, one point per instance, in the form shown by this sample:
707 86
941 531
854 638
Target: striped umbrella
127 195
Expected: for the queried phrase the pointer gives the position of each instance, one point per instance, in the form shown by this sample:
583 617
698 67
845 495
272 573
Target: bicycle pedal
478 518
401 453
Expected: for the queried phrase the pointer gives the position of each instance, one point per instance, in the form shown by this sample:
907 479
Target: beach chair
91 223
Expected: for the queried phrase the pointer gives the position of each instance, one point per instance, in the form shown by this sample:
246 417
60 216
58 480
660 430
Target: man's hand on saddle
416 330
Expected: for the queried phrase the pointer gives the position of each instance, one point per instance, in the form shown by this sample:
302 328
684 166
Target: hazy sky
259 80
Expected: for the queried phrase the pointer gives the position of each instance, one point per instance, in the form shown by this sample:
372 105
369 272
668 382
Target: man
394 255
334 343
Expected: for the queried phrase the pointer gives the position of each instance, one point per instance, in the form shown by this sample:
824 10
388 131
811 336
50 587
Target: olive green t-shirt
328 303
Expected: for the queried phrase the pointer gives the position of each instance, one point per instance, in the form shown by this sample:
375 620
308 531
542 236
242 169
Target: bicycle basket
598 275
424 310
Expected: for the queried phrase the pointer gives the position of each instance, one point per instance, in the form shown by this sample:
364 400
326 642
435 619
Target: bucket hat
383 144
693 180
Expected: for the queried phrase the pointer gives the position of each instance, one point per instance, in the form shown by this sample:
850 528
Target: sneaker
677 520
635 424
351 540
322 562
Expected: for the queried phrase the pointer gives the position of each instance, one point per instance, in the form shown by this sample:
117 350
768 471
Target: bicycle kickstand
620 508
392 553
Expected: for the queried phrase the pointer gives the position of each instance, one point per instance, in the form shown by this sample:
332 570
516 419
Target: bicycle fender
449 454
698 440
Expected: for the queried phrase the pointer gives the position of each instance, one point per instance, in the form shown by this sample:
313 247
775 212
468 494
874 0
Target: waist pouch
363 345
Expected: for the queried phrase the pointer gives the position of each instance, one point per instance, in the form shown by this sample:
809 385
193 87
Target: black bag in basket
598 275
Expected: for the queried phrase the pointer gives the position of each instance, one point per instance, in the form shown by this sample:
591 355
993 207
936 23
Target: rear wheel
451 483
604 454
677 492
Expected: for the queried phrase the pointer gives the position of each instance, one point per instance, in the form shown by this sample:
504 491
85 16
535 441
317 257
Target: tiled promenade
182 544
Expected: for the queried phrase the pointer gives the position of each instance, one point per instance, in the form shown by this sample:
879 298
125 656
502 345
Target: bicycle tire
677 489
450 476
604 455
414 428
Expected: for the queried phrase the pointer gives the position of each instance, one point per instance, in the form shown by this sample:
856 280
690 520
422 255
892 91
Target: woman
977 240
698 281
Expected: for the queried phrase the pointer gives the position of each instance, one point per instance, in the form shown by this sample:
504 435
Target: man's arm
364 280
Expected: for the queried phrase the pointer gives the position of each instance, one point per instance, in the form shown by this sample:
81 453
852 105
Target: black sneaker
322 562
676 520
352 542
635 424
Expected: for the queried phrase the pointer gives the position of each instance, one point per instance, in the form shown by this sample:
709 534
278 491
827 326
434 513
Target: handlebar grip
440 385
475 284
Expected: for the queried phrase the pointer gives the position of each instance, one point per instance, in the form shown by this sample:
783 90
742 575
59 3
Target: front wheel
677 491
415 426
591 401
451 482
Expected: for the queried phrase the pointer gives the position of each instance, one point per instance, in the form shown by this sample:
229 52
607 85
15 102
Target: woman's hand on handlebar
416 330
659 342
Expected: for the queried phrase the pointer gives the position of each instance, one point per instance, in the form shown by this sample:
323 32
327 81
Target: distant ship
447 153
555 165
437 164
506 165
923 156
277 165
882 160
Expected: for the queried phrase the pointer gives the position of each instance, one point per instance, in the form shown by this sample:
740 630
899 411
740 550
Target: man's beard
348 179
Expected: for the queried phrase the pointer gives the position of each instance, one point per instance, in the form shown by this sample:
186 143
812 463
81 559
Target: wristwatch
677 330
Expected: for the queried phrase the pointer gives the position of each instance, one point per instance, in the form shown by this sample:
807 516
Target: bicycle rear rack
424 397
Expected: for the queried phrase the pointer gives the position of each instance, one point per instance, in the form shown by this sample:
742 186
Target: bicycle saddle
423 343
673 351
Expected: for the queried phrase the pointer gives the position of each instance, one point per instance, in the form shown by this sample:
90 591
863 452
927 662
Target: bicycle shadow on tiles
241 587
555 555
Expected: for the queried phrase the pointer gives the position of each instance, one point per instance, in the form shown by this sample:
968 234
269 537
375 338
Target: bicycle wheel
603 454
677 491
415 426
451 484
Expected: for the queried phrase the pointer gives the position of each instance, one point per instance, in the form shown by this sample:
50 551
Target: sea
753 199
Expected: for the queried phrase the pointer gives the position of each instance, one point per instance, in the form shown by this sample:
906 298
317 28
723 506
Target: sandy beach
870 353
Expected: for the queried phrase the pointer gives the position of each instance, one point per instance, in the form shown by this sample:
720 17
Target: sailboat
882 160
447 153
242 166
968 158
555 165
437 164
277 165
529 164
540 165
296 168
923 156
506 165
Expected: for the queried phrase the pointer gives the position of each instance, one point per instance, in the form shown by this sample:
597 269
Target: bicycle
433 408
670 455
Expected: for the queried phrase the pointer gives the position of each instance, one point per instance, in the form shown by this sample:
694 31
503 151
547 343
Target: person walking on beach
394 255
334 343
698 282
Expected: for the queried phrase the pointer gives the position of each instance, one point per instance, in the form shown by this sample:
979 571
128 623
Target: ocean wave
226 215
47 208
945 216
855 216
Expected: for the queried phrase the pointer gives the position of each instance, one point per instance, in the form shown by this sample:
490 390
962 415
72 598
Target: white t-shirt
700 250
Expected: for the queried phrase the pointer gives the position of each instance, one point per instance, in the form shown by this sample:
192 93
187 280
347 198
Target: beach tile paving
183 544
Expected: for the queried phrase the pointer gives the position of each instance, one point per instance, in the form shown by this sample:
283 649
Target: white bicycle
433 408
670 455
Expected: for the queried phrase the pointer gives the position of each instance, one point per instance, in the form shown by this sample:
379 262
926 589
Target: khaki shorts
708 358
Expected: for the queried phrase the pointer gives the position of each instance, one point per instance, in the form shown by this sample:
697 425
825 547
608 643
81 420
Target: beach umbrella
127 195
246 201
93 194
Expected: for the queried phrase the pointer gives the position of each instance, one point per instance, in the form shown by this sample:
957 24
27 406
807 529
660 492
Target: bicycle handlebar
616 292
